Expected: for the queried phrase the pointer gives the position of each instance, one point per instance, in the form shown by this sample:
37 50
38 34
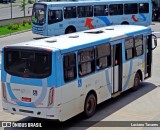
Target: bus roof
92 1
88 38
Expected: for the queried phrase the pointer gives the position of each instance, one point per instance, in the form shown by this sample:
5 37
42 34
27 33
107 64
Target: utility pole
11 9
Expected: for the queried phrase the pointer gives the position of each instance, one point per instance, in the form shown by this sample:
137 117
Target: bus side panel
74 93
103 85
130 68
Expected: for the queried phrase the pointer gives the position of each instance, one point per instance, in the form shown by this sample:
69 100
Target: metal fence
13 8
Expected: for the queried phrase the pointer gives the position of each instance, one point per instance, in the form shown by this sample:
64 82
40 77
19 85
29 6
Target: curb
15 33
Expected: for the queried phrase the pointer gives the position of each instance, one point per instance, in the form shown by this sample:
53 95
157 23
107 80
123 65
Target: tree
22 6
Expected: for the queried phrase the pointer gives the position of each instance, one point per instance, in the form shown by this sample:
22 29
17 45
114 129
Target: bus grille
37 30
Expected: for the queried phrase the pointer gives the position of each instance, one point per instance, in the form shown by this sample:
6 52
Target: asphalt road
142 105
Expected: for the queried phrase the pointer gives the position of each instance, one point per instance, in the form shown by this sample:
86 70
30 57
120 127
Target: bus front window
39 14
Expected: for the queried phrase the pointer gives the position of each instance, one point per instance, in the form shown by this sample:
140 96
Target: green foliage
29 22
23 4
24 23
13 26
30 1
10 26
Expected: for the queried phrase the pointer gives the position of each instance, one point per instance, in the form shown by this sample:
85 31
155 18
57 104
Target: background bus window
130 8
54 16
100 10
129 48
116 9
69 65
143 8
70 12
85 11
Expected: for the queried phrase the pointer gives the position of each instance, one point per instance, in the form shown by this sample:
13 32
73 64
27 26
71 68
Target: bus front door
117 70
148 55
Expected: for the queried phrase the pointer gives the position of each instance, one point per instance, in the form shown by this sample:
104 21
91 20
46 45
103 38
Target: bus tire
137 81
70 30
124 23
90 105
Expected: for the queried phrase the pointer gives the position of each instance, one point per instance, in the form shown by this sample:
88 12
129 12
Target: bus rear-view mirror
155 41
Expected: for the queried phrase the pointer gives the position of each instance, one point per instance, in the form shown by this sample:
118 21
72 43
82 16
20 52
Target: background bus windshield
39 14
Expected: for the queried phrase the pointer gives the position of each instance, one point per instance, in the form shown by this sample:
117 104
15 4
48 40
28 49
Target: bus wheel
70 30
125 23
90 105
137 81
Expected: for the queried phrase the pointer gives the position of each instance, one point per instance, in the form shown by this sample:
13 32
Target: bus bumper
46 113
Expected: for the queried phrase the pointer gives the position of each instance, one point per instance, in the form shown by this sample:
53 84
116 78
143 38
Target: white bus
56 18
60 77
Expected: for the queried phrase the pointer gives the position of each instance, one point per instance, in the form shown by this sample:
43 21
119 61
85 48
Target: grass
4 29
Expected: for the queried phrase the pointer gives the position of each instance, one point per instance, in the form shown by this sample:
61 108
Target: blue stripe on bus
144 18
26 81
108 83
13 97
128 76
43 94
4 75
105 20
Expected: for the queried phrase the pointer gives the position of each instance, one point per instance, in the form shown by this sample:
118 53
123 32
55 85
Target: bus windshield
27 63
39 14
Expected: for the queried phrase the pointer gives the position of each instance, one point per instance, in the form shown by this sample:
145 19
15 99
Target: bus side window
54 16
86 61
70 12
116 9
138 45
69 65
100 10
144 8
85 11
131 8
103 56
129 48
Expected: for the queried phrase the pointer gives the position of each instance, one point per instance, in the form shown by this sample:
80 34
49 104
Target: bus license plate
25 99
